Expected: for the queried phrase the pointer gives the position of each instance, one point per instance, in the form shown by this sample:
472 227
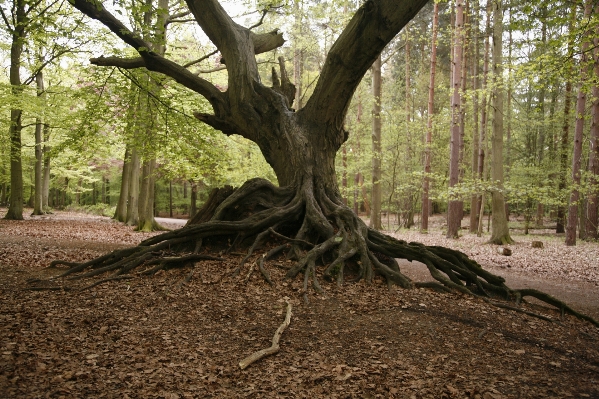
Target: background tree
500 231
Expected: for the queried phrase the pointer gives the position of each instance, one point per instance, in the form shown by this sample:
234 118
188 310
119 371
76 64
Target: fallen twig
274 348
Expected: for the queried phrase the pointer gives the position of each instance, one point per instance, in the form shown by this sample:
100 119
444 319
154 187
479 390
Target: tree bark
474 202
592 213
429 125
565 129
482 146
454 211
375 211
133 192
500 232
578 132
15 209
46 177
120 213
39 127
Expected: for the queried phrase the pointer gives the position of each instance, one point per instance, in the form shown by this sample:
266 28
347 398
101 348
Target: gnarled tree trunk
306 211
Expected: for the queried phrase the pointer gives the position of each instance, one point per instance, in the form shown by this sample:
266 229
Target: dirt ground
158 337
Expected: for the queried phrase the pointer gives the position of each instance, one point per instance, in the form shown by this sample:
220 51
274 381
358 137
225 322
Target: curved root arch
318 232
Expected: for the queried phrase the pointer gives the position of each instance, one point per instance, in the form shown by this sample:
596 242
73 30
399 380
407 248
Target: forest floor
153 337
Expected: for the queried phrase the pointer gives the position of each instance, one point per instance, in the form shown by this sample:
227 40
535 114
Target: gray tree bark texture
454 209
578 132
375 210
429 123
592 214
15 209
500 233
38 171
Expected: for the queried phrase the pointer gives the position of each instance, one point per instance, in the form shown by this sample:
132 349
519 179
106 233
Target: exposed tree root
274 348
322 236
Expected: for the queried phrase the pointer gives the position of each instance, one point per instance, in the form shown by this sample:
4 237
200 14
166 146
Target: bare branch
6 22
200 59
180 21
175 17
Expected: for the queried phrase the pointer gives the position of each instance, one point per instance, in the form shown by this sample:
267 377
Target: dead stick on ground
274 348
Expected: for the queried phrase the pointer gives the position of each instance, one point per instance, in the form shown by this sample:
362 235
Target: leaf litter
153 337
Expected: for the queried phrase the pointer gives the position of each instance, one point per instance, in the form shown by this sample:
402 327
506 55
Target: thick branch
125 63
152 61
373 26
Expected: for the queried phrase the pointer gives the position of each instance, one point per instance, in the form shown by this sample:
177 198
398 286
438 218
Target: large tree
305 211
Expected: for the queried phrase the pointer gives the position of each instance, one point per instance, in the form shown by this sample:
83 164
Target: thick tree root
324 237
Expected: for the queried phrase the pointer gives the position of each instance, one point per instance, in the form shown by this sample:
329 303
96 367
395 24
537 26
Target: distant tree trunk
133 192
39 126
578 131
592 214
193 198
170 198
15 209
565 130
429 126
474 204
500 233
454 211
407 205
483 118
297 55
120 213
146 202
103 191
508 159
375 211
46 177
463 95
541 138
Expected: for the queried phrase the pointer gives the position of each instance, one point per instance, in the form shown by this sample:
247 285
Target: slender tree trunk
15 209
407 202
193 198
454 211
170 198
429 126
46 175
297 55
146 202
542 122
565 130
482 146
578 131
120 213
133 192
39 127
508 153
500 232
463 95
592 214
375 211
474 205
